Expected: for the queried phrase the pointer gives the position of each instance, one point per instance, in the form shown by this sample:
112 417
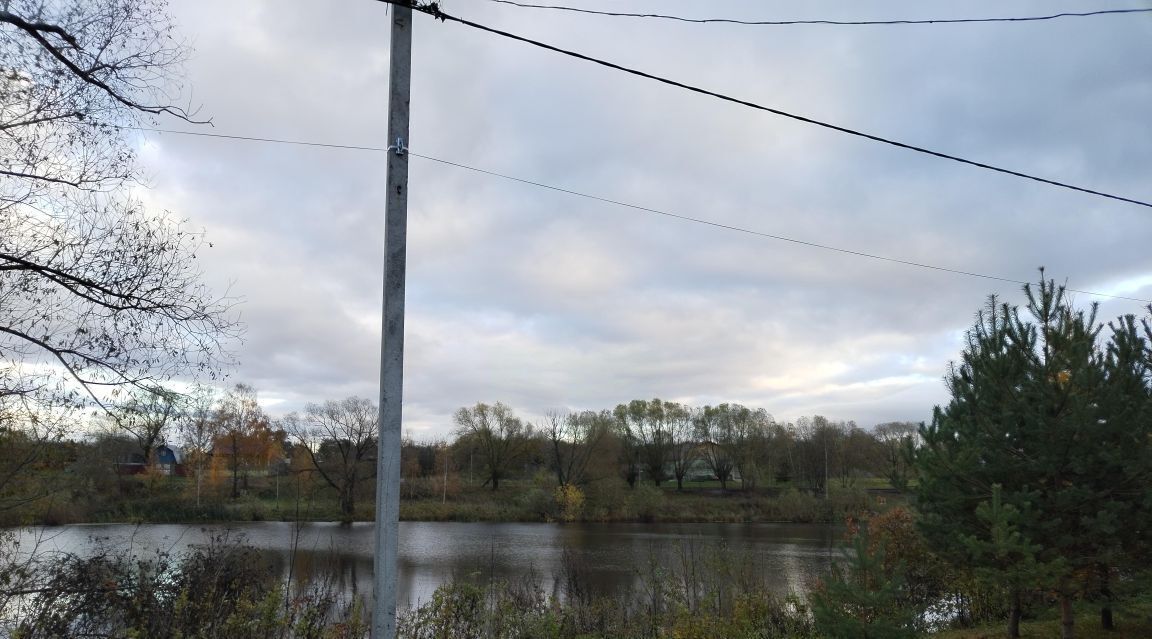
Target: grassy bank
526 502
173 500
1133 619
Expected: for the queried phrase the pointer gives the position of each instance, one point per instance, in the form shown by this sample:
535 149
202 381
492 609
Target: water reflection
610 557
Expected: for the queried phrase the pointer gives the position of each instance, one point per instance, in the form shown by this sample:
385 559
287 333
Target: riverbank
739 611
171 501
219 588
646 504
592 580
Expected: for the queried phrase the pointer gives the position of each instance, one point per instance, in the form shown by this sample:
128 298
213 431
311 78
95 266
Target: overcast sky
547 301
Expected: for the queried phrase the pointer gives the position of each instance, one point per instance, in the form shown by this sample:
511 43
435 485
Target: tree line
660 441
226 439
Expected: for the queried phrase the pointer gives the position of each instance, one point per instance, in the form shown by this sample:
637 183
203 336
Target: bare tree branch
37 27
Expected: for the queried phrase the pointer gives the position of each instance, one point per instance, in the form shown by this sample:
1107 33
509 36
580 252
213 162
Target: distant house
699 470
166 460
169 460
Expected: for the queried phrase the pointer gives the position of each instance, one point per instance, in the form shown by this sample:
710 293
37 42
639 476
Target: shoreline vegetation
167 502
644 461
225 589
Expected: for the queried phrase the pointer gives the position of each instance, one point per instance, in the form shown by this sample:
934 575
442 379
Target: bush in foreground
220 590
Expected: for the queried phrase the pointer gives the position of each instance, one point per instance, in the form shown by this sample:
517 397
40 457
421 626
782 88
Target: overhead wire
434 10
659 16
637 207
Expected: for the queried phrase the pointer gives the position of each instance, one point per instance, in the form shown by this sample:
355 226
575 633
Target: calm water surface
612 556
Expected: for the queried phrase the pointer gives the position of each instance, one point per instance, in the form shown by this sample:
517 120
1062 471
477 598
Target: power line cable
434 10
618 14
249 138
637 207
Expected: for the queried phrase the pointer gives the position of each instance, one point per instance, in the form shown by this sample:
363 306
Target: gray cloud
544 301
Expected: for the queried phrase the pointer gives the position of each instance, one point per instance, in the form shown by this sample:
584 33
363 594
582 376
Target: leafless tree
714 431
818 441
94 290
500 437
574 439
199 430
896 439
683 450
28 431
340 439
147 416
628 449
748 429
644 423
72 74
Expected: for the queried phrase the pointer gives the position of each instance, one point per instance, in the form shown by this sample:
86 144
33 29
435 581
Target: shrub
456 610
569 502
645 502
660 605
796 506
220 590
926 576
851 501
604 498
540 503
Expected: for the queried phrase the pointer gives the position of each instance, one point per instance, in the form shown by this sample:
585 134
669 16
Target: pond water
611 557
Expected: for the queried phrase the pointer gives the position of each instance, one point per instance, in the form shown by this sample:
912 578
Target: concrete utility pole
392 333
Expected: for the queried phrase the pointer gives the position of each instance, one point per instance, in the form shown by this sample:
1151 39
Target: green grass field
1133 620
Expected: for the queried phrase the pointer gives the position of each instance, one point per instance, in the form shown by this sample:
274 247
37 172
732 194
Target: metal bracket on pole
399 147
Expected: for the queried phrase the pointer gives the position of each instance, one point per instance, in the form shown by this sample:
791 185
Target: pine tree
1042 411
1003 558
863 600
1123 460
